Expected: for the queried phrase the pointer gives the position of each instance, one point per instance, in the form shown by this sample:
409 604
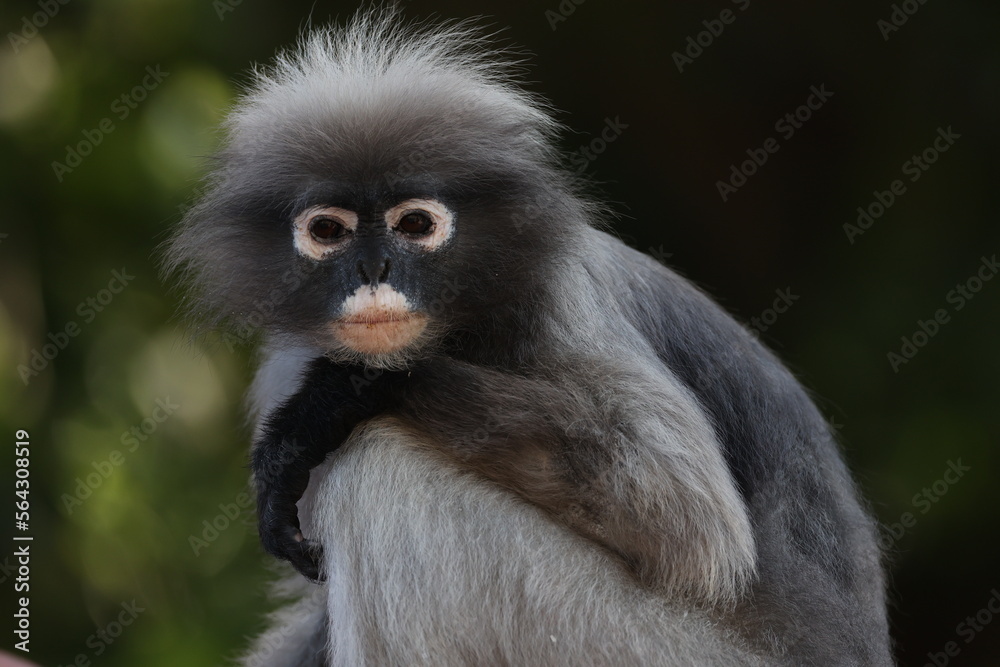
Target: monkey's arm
295 438
623 457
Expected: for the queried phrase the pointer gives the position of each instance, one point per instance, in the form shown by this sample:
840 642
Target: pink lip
378 320
379 332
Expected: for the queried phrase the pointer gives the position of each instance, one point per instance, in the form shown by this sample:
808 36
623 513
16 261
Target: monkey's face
376 268
379 226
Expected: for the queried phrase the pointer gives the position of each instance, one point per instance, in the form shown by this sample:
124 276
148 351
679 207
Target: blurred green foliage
118 493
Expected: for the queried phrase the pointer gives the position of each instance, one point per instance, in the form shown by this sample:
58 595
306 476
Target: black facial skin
373 253
487 248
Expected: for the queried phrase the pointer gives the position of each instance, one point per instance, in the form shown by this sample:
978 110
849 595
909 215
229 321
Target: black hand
277 512
297 437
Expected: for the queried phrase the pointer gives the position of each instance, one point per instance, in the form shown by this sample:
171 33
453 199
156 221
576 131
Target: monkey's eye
423 224
326 229
416 223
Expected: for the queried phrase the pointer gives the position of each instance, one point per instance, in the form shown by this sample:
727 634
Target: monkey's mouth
378 318
377 321
379 332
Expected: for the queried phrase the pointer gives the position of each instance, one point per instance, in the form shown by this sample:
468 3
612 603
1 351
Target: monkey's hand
281 466
296 438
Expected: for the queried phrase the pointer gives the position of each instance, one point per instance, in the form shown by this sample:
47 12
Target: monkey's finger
287 543
306 558
278 535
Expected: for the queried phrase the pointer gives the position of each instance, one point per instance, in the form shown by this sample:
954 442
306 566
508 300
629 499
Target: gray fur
471 588
719 524
298 634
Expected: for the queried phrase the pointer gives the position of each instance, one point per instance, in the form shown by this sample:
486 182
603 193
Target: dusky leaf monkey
489 432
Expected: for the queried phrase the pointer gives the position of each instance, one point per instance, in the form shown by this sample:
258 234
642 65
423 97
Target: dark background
131 537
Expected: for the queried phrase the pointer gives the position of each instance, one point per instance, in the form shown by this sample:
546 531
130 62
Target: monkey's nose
374 270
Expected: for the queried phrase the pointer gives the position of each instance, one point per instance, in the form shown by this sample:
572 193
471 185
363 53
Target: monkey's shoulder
666 307
742 385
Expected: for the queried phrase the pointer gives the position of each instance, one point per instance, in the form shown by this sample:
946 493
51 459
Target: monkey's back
820 580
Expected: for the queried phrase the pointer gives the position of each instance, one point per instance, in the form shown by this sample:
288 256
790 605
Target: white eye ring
312 245
442 221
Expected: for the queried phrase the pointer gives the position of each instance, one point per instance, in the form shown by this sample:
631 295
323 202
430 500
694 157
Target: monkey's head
379 188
